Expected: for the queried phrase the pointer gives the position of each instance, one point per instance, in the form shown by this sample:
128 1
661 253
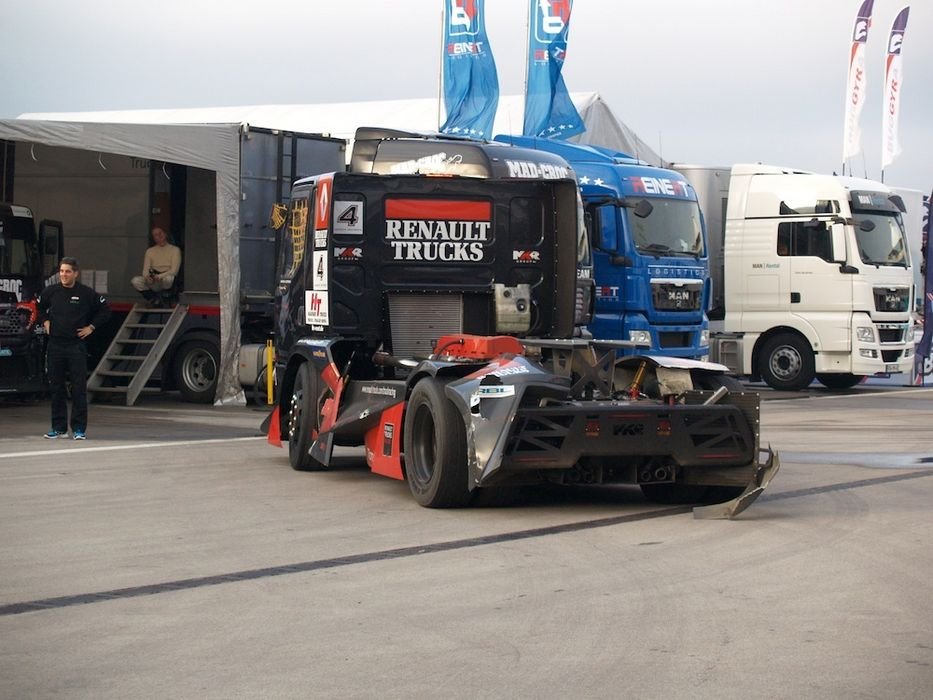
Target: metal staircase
136 351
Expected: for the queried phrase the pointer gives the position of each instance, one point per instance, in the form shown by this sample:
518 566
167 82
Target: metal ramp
136 351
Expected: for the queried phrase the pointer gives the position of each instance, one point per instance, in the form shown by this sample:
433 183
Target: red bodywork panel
478 347
384 443
331 377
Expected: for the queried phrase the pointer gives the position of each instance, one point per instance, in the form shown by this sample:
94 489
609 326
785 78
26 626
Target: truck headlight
866 334
640 337
704 337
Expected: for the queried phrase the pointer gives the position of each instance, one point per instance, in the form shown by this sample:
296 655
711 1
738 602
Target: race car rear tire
435 448
711 382
304 419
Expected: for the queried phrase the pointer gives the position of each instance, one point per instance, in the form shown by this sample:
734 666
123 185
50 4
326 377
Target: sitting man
160 266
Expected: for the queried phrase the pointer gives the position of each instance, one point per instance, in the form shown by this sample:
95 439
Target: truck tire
435 448
711 382
196 369
304 419
786 362
839 381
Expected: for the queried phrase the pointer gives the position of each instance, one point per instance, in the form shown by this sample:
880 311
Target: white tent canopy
341 119
209 138
214 147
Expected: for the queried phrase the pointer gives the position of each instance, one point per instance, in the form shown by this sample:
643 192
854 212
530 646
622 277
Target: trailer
213 187
430 320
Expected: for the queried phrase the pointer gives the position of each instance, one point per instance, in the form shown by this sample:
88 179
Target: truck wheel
786 362
435 448
196 364
839 381
304 419
711 382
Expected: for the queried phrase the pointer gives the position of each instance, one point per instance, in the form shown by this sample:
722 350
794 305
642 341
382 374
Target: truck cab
399 152
650 260
814 275
27 259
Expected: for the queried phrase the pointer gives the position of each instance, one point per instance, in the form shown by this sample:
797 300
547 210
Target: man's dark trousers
67 357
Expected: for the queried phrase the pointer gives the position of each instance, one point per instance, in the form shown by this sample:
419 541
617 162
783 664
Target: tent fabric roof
340 120
209 138
213 147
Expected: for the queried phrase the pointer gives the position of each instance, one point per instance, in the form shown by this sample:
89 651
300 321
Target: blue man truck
648 241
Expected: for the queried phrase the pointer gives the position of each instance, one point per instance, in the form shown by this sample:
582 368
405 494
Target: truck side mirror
606 225
643 209
838 233
51 246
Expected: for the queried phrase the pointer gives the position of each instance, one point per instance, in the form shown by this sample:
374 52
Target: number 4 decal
348 217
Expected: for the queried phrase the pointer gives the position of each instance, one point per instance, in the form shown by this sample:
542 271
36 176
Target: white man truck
811 275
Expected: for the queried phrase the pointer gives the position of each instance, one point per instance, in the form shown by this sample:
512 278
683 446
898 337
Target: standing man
70 312
160 267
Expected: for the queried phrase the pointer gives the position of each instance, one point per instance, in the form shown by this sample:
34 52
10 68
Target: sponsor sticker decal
438 230
348 218
319 275
317 308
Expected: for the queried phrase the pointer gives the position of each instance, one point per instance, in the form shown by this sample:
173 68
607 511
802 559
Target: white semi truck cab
811 274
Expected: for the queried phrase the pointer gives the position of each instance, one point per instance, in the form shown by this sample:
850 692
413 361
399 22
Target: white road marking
114 448
866 394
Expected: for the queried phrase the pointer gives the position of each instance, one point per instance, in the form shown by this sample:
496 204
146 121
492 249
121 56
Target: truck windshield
18 254
880 237
667 227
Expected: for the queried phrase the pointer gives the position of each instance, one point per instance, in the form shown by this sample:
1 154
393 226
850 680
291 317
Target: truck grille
892 332
416 320
668 296
890 355
13 321
892 298
674 339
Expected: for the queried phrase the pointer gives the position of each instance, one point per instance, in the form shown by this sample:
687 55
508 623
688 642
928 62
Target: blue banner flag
471 86
549 112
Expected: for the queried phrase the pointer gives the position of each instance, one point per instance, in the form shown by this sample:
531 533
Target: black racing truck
431 320
27 258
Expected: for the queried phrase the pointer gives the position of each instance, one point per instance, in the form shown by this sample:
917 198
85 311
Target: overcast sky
702 81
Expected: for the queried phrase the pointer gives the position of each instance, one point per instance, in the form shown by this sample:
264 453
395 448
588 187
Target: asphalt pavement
176 554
